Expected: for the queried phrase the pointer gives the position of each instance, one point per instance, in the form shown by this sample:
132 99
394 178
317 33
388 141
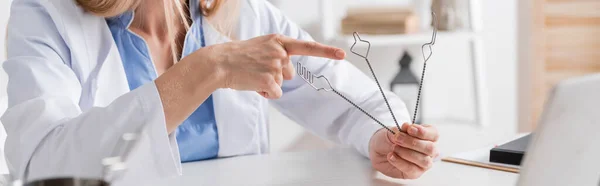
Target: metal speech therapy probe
309 77
425 59
366 58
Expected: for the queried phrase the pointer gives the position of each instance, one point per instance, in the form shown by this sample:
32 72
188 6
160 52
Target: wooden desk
338 166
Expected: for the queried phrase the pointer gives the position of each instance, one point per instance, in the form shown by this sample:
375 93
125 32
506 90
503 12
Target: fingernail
414 130
404 126
340 54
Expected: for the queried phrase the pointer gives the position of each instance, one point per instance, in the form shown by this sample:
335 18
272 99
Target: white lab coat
69 99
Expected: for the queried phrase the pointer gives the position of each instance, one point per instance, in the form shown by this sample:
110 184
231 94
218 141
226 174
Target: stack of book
379 21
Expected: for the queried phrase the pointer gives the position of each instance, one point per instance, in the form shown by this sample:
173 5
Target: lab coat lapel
94 56
237 113
110 81
107 80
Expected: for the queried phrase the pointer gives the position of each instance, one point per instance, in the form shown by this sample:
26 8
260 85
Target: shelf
403 39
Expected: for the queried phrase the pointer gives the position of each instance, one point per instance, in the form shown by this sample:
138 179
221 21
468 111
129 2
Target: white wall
500 37
448 84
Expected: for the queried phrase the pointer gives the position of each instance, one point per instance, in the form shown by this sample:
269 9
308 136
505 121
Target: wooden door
559 39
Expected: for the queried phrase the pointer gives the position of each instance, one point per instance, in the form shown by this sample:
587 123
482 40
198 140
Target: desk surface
339 166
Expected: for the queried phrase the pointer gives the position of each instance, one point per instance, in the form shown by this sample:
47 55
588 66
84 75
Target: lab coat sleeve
325 113
48 133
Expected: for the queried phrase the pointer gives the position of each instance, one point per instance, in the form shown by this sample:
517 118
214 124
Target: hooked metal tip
356 40
435 25
432 42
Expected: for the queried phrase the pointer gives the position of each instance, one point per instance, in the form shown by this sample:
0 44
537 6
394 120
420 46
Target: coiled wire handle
425 59
365 57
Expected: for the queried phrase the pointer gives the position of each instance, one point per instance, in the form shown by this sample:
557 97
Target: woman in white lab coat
84 72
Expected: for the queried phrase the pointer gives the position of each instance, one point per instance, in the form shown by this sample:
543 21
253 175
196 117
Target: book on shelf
380 21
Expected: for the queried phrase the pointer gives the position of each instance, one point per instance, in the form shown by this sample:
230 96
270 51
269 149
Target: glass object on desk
114 166
406 86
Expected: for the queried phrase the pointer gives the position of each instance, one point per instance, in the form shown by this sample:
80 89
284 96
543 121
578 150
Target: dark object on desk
510 153
68 182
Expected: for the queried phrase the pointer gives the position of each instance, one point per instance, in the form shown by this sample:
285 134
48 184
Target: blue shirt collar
126 18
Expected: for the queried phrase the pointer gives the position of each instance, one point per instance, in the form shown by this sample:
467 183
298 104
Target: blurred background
470 89
491 67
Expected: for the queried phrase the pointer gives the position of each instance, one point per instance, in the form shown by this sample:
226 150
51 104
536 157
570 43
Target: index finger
310 48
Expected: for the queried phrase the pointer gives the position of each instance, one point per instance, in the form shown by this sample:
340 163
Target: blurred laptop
565 149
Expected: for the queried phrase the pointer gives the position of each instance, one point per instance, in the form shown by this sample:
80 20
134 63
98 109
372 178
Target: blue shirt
197 135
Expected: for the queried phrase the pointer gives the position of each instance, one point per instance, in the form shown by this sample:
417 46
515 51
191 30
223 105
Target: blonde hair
223 21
